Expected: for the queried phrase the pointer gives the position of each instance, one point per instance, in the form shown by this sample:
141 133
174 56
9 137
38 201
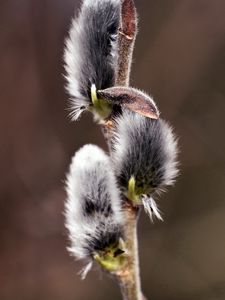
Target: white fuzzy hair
94 3
91 180
73 57
91 51
151 208
171 151
142 145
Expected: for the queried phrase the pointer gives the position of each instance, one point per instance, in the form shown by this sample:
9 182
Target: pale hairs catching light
145 149
91 52
93 212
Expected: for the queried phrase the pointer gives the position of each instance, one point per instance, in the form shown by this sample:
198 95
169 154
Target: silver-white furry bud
91 54
93 210
144 154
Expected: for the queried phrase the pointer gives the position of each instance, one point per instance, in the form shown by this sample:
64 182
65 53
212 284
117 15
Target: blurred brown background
180 61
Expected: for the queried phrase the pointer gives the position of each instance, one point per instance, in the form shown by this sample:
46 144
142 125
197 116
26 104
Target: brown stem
129 277
127 36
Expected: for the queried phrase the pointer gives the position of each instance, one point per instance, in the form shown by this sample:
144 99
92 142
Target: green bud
100 107
113 258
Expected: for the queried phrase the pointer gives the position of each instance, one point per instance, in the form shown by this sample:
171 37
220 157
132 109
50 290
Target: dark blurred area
180 60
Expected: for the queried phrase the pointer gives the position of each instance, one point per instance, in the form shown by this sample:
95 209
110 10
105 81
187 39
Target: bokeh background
180 60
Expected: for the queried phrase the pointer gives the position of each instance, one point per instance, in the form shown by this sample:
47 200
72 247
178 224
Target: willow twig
129 276
127 36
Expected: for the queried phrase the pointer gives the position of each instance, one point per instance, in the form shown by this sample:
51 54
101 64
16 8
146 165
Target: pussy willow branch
129 277
127 36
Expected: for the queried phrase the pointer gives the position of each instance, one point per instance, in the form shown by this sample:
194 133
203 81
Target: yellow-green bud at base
113 259
101 108
135 193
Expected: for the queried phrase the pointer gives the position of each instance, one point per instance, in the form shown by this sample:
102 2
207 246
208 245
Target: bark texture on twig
127 36
129 277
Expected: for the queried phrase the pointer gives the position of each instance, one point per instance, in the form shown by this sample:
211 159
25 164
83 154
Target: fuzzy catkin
94 217
91 51
145 149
